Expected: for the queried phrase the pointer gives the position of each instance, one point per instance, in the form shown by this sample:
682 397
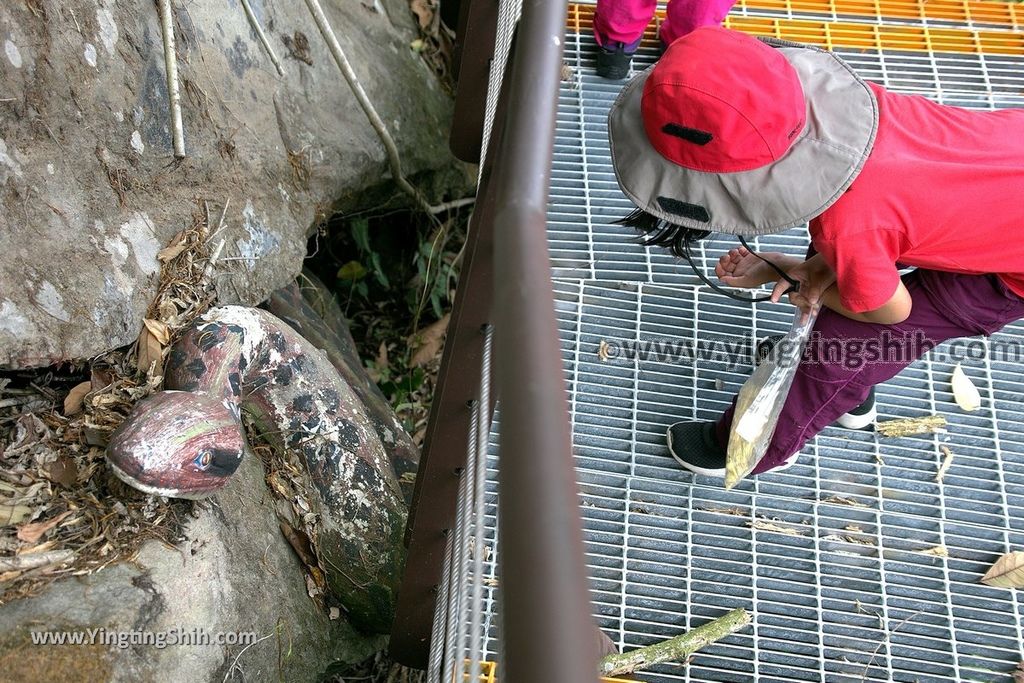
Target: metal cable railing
546 625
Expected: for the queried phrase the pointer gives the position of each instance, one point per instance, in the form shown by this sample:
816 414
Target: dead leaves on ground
1007 572
76 397
428 342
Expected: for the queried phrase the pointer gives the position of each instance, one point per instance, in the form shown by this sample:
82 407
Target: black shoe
861 417
695 446
613 62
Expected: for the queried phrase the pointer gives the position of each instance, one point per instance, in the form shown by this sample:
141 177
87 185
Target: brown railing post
547 629
444 446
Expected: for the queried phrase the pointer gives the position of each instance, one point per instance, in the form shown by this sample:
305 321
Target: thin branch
452 205
674 649
254 22
394 160
171 64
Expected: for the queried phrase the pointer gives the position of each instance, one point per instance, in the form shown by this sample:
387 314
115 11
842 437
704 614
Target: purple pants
624 21
832 381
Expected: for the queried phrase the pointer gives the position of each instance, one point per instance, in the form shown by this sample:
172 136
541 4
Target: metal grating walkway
831 555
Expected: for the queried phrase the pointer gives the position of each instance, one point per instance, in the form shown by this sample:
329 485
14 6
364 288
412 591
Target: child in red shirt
730 134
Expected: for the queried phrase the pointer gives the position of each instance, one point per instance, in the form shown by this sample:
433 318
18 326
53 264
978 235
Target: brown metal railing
547 633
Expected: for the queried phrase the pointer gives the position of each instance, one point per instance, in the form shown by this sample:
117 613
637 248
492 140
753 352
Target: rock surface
236 573
89 188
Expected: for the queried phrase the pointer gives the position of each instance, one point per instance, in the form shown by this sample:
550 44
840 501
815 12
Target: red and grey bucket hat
728 133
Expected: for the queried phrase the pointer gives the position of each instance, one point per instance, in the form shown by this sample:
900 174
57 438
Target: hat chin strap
794 285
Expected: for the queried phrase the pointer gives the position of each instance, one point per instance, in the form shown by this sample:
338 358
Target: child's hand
815 277
741 268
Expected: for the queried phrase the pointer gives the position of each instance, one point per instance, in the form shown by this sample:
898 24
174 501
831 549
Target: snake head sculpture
178 444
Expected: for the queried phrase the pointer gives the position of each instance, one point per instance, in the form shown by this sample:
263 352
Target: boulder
90 190
234 574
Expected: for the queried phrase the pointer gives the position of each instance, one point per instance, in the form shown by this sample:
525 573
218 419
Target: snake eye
203 460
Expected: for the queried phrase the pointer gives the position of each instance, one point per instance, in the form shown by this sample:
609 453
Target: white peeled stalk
171 64
254 22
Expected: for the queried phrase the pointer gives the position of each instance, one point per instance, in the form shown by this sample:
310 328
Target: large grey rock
89 192
235 573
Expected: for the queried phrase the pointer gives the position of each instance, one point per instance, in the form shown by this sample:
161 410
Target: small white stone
50 169
119 116
13 54
108 29
90 55
137 144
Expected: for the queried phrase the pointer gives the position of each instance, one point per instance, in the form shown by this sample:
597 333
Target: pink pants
624 21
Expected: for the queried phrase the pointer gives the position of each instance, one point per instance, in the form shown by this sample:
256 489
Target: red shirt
943 189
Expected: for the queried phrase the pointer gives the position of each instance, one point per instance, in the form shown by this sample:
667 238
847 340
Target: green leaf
353 270
361 234
378 272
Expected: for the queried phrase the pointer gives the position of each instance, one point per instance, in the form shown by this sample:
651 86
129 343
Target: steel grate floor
832 555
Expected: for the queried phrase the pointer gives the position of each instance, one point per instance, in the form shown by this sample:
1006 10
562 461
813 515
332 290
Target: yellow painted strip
996 12
834 34
489 670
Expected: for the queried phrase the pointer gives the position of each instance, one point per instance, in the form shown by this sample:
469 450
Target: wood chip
1007 572
762 525
937 551
735 512
839 500
929 424
945 464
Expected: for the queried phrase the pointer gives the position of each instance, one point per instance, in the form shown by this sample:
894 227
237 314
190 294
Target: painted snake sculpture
186 441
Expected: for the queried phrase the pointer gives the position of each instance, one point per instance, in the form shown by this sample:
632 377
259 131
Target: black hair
657 232
678 239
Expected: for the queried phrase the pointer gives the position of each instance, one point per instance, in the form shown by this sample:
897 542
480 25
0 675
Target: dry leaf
602 350
63 470
13 514
101 377
1007 572
424 12
430 339
300 543
1018 673
937 551
31 533
76 397
964 391
168 253
150 351
159 330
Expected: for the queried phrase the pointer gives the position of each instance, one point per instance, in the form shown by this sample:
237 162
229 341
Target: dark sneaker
861 417
613 62
695 446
